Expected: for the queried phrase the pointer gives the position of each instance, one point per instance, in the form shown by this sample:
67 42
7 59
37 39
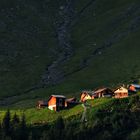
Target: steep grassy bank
37 116
43 116
107 119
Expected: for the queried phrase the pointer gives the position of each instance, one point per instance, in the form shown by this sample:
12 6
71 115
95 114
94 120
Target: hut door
60 102
54 108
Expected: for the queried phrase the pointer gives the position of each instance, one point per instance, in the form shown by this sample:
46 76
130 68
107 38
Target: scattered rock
54 74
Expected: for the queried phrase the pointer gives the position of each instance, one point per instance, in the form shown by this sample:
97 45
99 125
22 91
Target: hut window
60 102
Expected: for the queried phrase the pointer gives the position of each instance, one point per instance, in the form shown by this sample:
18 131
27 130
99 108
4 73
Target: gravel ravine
54 74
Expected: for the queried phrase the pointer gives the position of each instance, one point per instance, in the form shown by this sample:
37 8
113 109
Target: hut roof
136 85
121 89
100 90
42 102
59 96
90 92
71 99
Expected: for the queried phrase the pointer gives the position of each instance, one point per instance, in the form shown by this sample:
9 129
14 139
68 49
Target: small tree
135 135
30 137
6 125
23 122
15 119
59 123
45 136
59 127
15 124
23 128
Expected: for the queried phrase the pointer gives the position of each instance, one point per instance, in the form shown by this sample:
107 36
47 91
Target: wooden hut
57 102
132 88
103 92
137 86
41 104
86 95
121 92
71 102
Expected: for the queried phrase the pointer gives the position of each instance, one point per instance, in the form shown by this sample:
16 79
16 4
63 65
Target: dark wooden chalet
71 102
41 104
103 92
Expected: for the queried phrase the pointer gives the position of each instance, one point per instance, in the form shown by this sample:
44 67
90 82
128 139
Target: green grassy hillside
61 47
107 119
46 116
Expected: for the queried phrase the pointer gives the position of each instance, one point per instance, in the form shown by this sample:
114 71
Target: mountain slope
63 47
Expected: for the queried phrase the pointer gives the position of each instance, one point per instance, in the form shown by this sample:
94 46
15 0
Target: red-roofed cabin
41 104
57 102
132 88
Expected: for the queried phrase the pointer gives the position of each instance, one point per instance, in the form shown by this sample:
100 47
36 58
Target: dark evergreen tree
59 123
45 136
30 137
58 130
23 129
15 123
15 119
6 125
23 122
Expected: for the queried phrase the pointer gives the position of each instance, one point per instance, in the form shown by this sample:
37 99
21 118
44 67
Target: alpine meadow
69 69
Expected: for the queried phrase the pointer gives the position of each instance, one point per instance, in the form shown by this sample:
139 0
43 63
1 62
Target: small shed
137 86
71 102
57 102
121 92
103 92
86 95
132 88
41 104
